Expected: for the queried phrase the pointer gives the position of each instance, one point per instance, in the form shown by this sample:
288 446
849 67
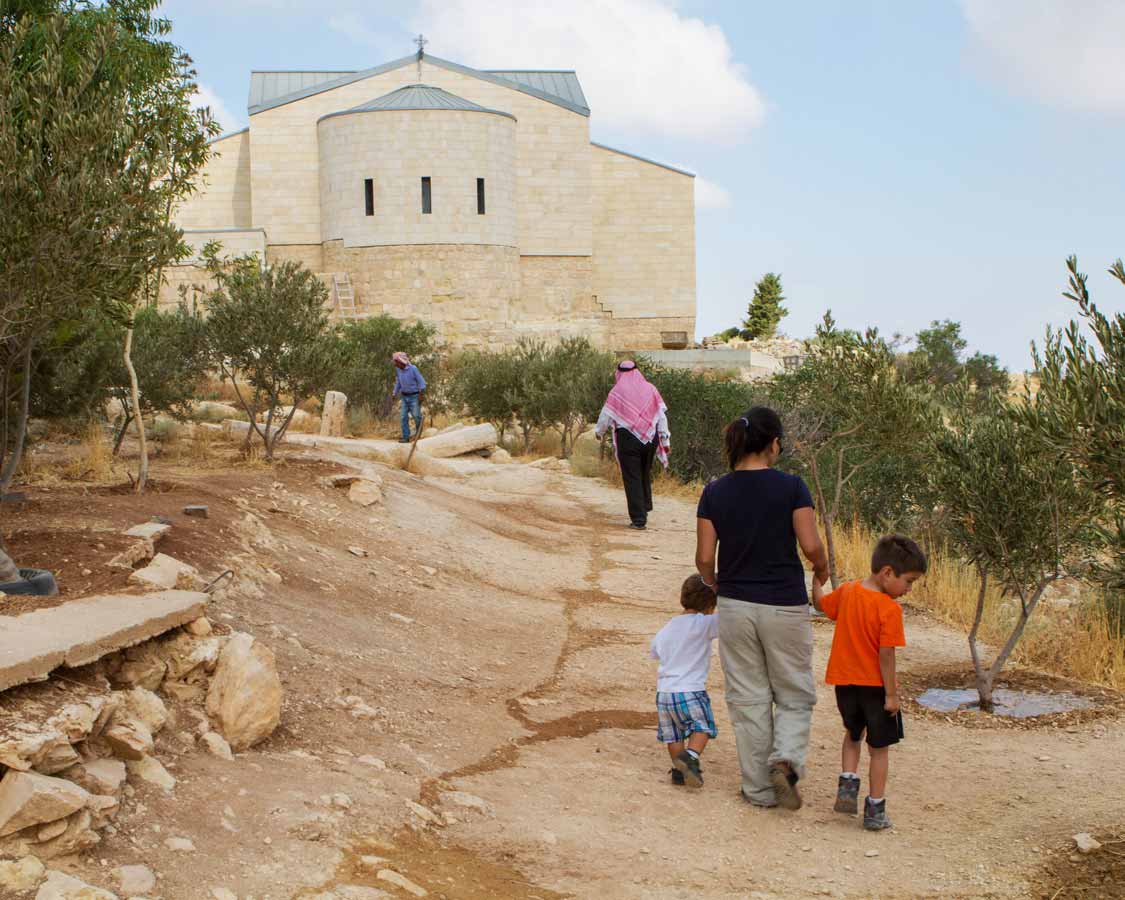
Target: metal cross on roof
421 42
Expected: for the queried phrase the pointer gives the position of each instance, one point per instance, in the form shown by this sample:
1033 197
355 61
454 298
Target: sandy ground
500 626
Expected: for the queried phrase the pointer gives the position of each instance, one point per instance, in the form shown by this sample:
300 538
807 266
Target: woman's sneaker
784 781
688 766
847 795
875 815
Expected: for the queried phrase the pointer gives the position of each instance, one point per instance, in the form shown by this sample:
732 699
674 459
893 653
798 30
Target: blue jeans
411 406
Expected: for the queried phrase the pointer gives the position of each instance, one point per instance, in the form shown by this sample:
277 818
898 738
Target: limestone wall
311 256
466 291
223 200
644 244
556 300
235 241
553 188
646 333
396 149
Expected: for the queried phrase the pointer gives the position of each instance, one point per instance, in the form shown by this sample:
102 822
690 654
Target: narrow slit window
480 196
369 196
427 206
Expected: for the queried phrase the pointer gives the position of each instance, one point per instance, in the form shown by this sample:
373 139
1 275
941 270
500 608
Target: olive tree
846 410
1079 409
1015 510
268 334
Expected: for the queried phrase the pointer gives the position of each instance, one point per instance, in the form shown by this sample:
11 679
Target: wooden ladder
345 297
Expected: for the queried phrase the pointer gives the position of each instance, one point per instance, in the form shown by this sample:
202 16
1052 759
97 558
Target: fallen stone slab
165 573
463 440
152 531
82 631
60 886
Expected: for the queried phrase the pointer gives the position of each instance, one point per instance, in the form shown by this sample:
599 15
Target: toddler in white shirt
683 707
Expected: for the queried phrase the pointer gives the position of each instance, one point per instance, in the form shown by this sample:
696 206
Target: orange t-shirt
865 621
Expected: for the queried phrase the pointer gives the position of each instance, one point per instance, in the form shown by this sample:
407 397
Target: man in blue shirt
409 384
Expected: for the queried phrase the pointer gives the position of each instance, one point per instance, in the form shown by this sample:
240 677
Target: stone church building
471 199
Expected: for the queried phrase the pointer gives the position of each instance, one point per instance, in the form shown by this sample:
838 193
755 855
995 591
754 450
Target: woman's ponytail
752 432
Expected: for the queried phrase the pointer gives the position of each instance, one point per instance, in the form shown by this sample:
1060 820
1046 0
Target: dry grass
664 484
1075 640
88 460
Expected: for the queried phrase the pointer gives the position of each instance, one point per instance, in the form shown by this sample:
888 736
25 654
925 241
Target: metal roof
642 159
558 83
417 96
276 88
229 134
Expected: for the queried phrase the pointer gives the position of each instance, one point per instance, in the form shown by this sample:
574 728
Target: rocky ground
468 713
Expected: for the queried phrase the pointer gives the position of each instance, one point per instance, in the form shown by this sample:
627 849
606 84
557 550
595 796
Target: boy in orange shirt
862 667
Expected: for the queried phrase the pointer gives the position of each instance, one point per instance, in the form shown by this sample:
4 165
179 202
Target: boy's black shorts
861 708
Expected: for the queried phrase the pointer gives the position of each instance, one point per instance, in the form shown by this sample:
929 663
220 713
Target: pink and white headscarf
636 404
401 357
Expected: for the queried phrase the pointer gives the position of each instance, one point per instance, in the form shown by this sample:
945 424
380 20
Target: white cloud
205 96
643 66
709 195
1064 52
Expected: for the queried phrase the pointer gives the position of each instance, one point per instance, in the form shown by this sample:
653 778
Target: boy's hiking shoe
677 777
784 781
688 766
847 796
875 815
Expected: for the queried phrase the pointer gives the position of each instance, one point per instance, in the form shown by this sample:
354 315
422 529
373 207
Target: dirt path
499 627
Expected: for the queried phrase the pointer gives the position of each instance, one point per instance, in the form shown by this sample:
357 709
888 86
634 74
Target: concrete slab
83 631
152 531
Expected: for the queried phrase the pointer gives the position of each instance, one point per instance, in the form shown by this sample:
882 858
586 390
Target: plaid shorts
680 715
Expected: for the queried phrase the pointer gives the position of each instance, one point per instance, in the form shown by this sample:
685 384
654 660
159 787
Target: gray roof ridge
642 159
463 105
349 78
552 71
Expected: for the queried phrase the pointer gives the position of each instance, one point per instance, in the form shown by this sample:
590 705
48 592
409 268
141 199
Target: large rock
245 693
144 706
150 769
58 758
165 573
78 835
186 654
365 492
463 440
128 739
25 751
27 799
141 666
60 886
332 416
20 874
98 776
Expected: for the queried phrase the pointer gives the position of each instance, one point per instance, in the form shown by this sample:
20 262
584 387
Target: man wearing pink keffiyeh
635 411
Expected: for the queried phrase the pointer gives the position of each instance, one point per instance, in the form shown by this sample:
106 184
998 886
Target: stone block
28 799
166 573
332 417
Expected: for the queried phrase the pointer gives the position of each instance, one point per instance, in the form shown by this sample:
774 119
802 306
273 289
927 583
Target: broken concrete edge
82 631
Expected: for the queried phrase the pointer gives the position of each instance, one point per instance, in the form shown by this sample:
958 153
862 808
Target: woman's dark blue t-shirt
752 512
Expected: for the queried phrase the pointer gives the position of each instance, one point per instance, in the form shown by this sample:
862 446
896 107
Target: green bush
699 408
365 371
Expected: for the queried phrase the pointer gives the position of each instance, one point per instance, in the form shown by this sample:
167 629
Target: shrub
699 408
268 334
365 371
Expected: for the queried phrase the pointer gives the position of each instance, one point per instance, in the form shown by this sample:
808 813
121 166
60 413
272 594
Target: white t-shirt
683 647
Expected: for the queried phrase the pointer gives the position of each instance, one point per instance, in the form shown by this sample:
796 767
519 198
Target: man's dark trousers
636 461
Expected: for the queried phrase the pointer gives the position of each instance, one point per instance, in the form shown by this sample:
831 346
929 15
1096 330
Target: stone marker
463 440
82 631
198 510
245 693
29 799
332 417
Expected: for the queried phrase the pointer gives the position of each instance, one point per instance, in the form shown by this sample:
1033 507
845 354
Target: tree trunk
16 456
127 420
135 404
827 518
983 678
1017 632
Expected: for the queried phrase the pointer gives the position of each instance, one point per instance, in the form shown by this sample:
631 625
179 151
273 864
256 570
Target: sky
895 162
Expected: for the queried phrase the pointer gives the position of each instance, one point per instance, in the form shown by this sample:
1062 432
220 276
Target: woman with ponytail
635 411
753 520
